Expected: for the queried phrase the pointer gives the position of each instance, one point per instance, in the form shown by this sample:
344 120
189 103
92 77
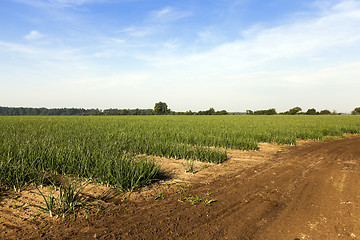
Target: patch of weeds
333 137
15 205
181 191
341 181
189 165
67 201
205 166
182 188
170 183
194 200
184 185
159 195
209 201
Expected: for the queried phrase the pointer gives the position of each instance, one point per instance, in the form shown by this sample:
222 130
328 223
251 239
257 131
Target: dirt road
311 191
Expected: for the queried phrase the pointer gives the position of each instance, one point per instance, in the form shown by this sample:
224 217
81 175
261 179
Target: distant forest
19 111
159 109
25 111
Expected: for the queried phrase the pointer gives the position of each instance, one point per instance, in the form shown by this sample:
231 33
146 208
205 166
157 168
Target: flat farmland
128 153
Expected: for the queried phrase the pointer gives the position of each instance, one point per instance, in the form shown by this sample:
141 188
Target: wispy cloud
168 14
59 3
33 35
134 31
161 13
8 47
209 35
172 44
40 59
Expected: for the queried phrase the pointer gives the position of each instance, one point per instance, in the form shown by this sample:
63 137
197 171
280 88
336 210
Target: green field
104 148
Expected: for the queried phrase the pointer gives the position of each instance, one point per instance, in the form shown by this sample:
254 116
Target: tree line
21 111
160 108
292 111
298 111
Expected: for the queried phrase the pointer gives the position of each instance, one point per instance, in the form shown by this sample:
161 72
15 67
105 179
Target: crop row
105 148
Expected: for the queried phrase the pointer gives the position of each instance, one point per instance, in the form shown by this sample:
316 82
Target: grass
68 200
159 195
189 165
194 200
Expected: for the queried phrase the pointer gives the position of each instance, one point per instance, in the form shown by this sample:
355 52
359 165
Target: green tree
295 110
249 112
325 112
356 111
270 111
124 112
211 111
136 112
222 112
189 112
311 111
161 108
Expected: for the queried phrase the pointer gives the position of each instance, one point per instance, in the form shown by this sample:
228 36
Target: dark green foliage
68 200
325 112
128 173
222 112
311 111
212 111
270 111
295 110
356 111
11 111
161 108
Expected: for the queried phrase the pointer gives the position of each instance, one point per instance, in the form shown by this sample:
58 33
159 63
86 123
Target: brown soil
308 191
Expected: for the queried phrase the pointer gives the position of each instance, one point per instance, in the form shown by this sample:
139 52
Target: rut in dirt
308 192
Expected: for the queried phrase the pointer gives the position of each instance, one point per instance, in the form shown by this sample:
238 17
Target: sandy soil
308 191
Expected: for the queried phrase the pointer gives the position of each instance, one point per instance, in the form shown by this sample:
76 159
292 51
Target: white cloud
172 44
59 3
163 12
71 3
133 31
168 14
33 35
208 35
16 48
43 60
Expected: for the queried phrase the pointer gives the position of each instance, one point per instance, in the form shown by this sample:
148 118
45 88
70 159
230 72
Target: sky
192 54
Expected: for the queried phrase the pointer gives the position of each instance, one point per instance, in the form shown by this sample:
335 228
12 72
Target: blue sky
226 54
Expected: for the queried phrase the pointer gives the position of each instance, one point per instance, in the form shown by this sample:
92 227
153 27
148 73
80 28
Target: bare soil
308 191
